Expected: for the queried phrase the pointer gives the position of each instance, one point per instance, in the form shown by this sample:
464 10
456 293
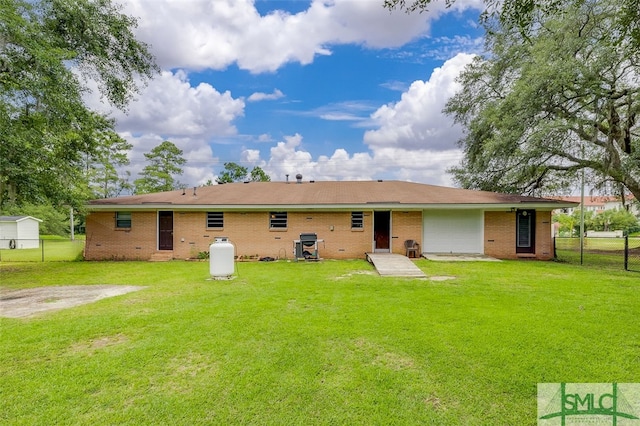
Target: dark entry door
382 230
165 230
526 231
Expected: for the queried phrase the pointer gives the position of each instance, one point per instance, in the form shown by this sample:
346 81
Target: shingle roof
328 194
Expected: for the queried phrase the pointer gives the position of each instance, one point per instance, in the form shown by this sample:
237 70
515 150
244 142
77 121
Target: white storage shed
19 232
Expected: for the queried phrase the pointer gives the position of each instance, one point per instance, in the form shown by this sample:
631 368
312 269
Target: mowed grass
600 252
314 343
51 249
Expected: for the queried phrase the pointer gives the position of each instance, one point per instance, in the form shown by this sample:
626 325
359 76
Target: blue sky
331 89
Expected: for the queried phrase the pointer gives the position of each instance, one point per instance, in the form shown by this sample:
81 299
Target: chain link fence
40 250
616 253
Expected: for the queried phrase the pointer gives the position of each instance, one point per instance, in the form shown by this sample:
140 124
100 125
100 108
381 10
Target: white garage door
453 231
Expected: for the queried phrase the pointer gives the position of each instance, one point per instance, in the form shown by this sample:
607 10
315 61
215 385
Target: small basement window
123 219
277 220
357 220
215 220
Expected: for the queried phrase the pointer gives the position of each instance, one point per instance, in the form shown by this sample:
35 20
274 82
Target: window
357 220
123 219
215 220
525 231
277 220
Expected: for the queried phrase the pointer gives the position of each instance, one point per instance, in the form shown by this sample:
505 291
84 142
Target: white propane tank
221 262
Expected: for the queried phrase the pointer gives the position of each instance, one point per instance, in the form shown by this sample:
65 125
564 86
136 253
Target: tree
539 110
568 223
259 175
48 51
102 167
232 173
165 161
614 220
521 14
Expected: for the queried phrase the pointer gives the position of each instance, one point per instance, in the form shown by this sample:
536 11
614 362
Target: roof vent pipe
194 191
298 178
287 175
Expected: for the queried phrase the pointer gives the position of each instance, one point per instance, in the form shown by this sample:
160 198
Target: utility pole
71 223
582 216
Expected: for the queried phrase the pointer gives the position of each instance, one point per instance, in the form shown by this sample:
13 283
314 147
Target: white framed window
123 219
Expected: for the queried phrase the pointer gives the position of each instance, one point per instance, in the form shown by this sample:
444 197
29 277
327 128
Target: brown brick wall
544 240
250 234
500 235
405 226
104 241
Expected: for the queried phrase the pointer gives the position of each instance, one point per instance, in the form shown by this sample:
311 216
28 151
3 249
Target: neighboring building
264 219
19 232
600 203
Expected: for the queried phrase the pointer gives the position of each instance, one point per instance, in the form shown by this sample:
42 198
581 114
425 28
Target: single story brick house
351 218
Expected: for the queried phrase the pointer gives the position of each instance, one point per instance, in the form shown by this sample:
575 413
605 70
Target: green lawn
51 248
600 252
314 343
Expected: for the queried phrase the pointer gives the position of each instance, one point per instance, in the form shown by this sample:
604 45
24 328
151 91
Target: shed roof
17 218
325 194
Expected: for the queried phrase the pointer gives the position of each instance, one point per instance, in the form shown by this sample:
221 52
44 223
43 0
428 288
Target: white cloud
397 86
289 158
419 165
252 156
413 140
451 46
260 96
171 106
214 34
357 111
428 49
416 122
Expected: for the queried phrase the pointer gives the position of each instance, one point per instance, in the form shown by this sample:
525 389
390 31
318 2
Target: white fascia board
29 217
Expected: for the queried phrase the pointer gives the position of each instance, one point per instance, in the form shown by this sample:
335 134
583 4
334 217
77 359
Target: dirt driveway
31 301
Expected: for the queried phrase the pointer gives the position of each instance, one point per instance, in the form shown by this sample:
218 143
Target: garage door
453 231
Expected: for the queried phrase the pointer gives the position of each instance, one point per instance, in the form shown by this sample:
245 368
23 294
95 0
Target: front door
165 230
526 231
382 231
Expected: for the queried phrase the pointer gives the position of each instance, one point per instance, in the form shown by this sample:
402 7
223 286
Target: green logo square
616 404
